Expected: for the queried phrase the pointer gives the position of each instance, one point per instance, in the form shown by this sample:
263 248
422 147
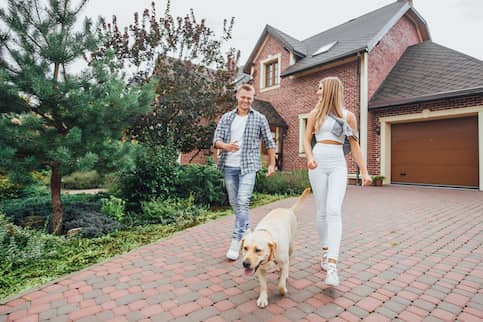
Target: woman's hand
311 164
366 180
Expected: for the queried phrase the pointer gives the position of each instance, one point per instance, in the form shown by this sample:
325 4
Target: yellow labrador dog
270 245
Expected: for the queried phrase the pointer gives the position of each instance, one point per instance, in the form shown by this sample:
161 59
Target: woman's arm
309 131
356 151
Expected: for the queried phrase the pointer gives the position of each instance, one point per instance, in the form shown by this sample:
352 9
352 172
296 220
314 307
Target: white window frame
302 128
263 65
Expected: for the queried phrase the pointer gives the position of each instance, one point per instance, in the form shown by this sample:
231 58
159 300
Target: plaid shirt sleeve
266 134
221 130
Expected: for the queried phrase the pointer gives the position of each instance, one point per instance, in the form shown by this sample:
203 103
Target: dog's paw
262 300
282 290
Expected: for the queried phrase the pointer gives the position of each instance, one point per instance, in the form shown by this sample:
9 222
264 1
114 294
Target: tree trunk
57 208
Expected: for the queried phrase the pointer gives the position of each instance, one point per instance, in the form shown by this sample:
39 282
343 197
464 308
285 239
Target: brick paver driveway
409 254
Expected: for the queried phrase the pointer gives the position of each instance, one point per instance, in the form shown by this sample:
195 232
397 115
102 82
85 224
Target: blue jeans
239 188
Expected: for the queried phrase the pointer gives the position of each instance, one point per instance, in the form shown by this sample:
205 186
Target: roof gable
356 35
429 71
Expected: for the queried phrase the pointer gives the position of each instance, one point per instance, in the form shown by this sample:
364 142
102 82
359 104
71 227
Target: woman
328 168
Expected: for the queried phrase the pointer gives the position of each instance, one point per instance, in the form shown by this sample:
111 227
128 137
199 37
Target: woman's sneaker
325 259
332 278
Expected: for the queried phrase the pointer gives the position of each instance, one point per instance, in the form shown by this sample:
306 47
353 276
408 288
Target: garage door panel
441 152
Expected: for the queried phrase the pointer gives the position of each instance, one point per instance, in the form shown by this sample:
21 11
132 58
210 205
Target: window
324 48
302 127
271 74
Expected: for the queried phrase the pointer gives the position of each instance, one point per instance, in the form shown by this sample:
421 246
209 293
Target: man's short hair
246 87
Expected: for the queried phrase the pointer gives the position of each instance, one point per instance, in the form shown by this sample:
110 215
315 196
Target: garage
437 152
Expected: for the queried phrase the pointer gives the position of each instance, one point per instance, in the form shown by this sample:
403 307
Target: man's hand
271 170
231 147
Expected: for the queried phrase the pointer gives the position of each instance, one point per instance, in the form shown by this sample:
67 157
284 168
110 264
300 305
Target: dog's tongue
249 271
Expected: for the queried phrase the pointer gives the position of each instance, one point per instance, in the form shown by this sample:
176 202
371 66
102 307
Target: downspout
363 103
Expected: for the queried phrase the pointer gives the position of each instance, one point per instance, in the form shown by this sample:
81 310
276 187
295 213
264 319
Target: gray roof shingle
356 35
428 71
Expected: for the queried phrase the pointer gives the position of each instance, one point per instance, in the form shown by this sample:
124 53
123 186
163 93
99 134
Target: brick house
419 105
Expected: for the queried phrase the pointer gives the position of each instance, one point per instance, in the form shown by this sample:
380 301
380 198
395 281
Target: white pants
329 182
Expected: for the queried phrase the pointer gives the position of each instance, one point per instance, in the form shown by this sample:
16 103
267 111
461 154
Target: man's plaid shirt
256 128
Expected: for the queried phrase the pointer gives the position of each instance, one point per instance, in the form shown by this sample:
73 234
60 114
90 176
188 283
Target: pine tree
50 116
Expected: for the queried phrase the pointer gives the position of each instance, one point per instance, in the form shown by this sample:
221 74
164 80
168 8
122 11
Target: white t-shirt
237 129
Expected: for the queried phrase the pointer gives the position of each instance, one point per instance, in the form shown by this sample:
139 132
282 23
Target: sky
457 24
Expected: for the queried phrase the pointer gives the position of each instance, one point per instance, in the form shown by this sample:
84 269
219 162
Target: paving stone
329 311
362 290
386 312
203 314
357 311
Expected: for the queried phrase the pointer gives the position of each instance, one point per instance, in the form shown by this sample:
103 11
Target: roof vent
324 48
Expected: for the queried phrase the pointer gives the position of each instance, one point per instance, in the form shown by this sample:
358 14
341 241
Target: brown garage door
441 152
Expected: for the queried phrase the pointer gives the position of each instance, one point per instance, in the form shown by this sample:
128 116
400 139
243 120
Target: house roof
267 109
429 71
356 35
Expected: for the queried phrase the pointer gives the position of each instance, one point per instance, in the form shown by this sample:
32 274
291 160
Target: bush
155 176
93 222
288 183
171 211
17 244
82 180
8 190
113 208
204 182
35 212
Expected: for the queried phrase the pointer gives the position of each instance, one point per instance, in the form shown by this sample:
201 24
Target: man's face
245 99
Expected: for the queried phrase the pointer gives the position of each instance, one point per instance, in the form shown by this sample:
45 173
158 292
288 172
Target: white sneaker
234 250
332 278
325 259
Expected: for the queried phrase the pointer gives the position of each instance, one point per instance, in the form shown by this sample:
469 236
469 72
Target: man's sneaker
234 250
332 278
325 259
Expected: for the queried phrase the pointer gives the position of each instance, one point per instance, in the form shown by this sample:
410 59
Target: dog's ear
241 245
273 247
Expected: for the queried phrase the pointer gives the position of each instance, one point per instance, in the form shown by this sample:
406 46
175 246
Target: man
238 135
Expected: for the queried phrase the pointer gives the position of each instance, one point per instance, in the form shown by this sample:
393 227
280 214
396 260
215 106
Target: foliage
62 255
82 180
171 211
204 182
51 117
154 176
8 190
290 183
93 223
193 74
113 208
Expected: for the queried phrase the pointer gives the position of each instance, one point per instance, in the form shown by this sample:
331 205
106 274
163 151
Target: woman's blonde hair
331 100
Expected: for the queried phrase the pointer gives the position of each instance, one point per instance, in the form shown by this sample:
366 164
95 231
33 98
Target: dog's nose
246 264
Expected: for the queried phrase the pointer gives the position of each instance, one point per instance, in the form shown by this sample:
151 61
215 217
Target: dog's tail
301 199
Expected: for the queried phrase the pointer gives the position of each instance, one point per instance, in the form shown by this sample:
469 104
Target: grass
67 255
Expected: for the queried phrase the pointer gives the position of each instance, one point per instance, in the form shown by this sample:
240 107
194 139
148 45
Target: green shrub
155 175
93 222
293 182
82 180
8 190
35 212
18 244
204 182
113 208
171 211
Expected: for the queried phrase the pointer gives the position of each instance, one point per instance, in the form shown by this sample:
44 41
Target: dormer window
324 48
270 72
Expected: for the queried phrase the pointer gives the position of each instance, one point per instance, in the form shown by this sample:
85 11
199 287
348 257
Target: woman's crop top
326 129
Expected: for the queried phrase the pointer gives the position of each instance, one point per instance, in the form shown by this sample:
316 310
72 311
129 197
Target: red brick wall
298 96
439 105
386 54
